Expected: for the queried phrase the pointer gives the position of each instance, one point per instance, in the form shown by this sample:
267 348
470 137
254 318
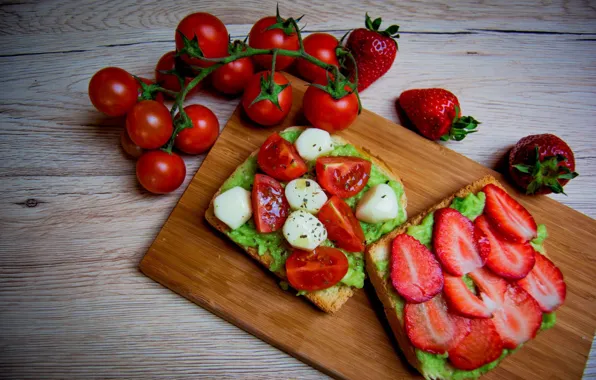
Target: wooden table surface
74 223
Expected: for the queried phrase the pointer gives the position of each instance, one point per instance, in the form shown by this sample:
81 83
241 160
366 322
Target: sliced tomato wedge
269 204
316 270
279 159
343 176
342 226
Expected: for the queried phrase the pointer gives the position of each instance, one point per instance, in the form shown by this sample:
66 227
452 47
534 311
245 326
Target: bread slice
381 251
329 300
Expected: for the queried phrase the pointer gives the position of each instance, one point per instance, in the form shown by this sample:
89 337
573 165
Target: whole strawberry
436 114
542 164
373 50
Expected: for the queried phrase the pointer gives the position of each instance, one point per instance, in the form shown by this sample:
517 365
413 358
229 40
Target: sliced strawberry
507 216
454 242
545 284
465 303
482 346
415 273
519 317
490 284
512 261
432 328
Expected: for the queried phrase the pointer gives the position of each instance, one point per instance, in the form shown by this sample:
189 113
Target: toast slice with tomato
332 298
458 325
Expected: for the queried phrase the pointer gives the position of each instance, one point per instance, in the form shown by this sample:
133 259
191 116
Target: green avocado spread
437 365
274 243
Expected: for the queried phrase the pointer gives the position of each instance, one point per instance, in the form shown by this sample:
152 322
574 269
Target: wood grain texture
74 223
192 259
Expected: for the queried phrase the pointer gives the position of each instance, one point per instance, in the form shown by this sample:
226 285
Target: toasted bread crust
381 251
329 300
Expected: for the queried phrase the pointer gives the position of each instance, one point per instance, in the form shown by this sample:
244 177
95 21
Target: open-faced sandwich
306 205
467 282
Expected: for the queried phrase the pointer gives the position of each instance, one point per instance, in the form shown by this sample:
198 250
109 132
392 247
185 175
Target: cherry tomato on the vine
232 77
204 131
113 91
129 146
264 112
261 38
324 112
321 46
149 124
158 97
170 81
211 33
160 172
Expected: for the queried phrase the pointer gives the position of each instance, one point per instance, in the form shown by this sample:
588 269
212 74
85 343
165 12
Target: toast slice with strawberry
499 287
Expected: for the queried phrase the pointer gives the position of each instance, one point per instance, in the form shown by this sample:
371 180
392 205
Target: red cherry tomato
130 147
113 91
321 46
170 81
316 270
160 172
269 203
324 112
343 176
149 124
211 33
261 38
279 158
204 131
158 96
342 226
264 112
232 77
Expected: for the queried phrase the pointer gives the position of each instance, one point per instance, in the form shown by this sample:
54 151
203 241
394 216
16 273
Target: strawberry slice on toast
462 301
507 216
481 346
545 284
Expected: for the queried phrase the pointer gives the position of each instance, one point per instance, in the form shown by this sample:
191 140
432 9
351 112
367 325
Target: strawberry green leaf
546 173
523 168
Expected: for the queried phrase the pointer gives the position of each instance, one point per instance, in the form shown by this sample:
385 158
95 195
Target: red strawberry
415 273
454 242
373 50
436 114
432 328
509 260
509 218
490 284
465 303
545 284
519 317
541 164
482 346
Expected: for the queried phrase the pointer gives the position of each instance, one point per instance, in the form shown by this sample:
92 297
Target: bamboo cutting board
197 262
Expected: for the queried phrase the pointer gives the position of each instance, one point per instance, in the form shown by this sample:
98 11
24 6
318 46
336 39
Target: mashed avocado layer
274 243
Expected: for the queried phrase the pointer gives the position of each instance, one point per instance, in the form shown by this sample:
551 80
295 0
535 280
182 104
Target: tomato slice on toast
316 270
269 203
342 226
279 159
343 176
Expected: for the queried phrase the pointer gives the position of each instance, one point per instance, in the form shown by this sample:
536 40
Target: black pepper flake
319 224
387 182
305 200
313 145
307 184
320 149
302 236
384 196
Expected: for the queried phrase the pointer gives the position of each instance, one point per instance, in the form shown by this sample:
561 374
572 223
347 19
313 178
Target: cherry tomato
321 46
324 112
269 203
342 226
158 96
160 172
343 176
232 77
130 147
279 158
261 38
316 270
113 91
149 124
204 131
211 33
264 112
170 81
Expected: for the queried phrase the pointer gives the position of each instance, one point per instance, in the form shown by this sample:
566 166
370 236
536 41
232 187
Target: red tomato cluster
149 125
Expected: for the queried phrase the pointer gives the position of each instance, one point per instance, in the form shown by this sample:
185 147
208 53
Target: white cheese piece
234 207
378 204
303 230
314 142
305 194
